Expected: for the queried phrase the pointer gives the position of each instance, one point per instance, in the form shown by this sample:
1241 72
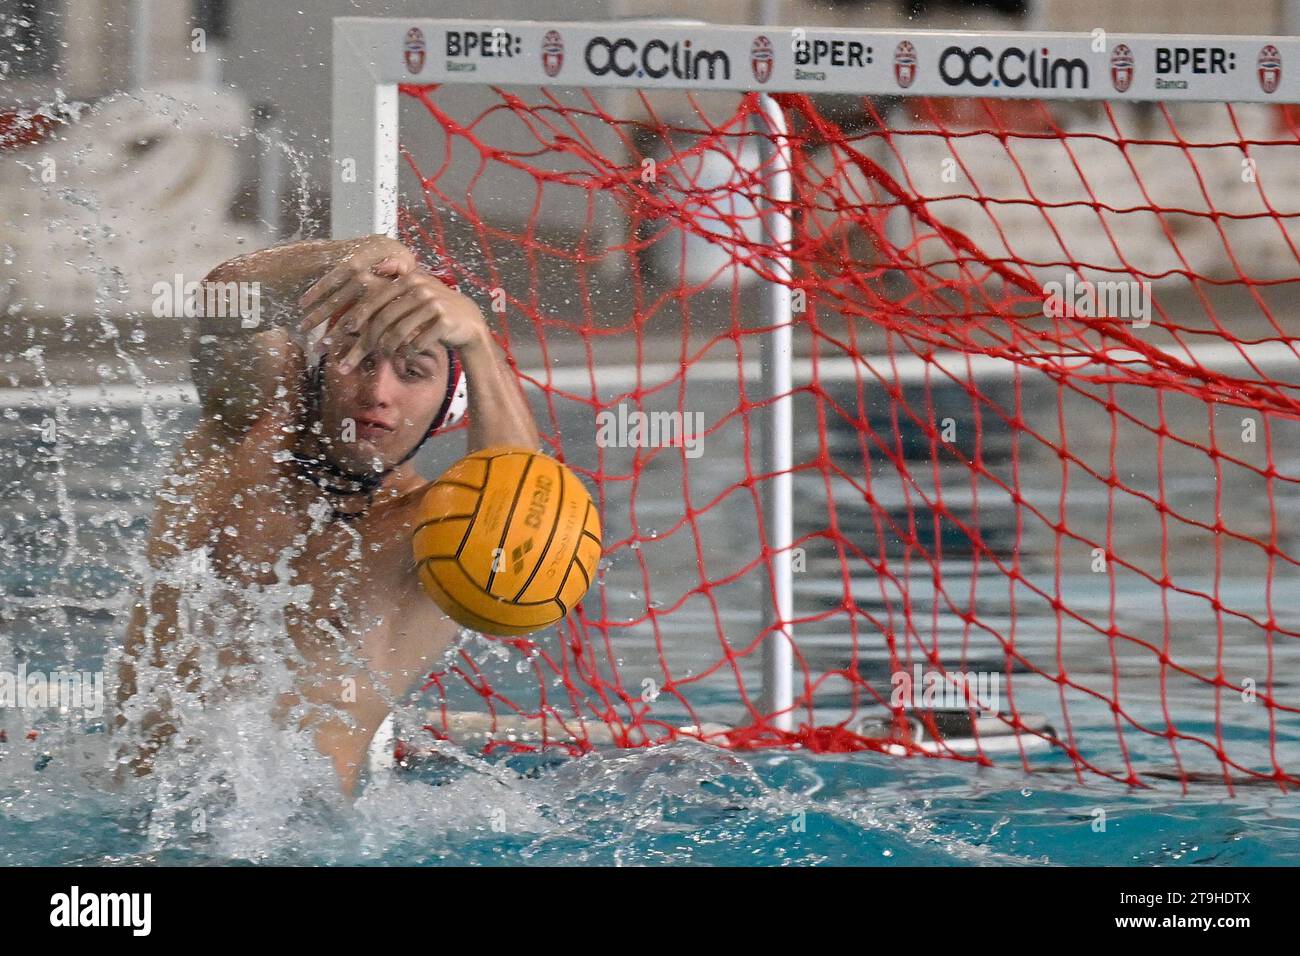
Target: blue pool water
74 526
680 804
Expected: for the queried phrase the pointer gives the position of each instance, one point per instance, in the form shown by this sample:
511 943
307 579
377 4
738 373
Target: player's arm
150 672
498 411
153 667
239 362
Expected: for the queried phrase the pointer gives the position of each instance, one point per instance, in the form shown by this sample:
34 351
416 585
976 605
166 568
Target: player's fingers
416 301
438 283
416 294
327 284
356 293
369 335
409 328
378 295
329 306
354 267
395 266
331 325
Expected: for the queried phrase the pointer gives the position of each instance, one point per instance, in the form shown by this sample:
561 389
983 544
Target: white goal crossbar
373 56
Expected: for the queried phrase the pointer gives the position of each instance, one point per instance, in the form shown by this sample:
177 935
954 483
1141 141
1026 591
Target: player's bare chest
282 530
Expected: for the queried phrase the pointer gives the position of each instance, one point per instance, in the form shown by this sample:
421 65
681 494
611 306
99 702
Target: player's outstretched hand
414 309
370 267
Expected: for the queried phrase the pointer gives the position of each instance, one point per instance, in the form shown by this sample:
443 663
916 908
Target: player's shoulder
273 426
394 513
246 379
417 612
400 519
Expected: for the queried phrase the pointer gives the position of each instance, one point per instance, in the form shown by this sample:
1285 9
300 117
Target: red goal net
1045 406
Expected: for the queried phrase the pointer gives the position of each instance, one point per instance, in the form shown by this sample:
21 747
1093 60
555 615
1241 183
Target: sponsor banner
465 49
821 57
864 62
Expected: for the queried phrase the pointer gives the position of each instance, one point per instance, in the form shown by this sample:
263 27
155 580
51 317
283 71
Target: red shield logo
761 58
1121 68
413 50
905 64
1270 69
552 52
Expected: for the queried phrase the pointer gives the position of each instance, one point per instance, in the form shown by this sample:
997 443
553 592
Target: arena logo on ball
413 50
656 59
819 53
905 64
552 53
465 48
1270 68
761 58
1174 64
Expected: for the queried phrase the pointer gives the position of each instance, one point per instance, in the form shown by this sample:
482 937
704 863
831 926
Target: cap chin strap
319 469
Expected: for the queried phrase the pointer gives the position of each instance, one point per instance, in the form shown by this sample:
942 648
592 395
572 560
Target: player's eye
414 366
416 370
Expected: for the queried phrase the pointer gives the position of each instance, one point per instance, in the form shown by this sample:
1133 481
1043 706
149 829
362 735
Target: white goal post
372 56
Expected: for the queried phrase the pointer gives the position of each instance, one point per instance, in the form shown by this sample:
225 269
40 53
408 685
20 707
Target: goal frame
371 59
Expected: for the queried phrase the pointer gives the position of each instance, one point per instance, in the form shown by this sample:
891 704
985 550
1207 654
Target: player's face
376 413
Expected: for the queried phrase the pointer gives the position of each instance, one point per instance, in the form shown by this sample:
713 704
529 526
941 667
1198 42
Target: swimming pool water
679 804
74 527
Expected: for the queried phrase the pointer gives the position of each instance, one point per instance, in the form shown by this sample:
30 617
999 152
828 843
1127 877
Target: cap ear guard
457 384
456 399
